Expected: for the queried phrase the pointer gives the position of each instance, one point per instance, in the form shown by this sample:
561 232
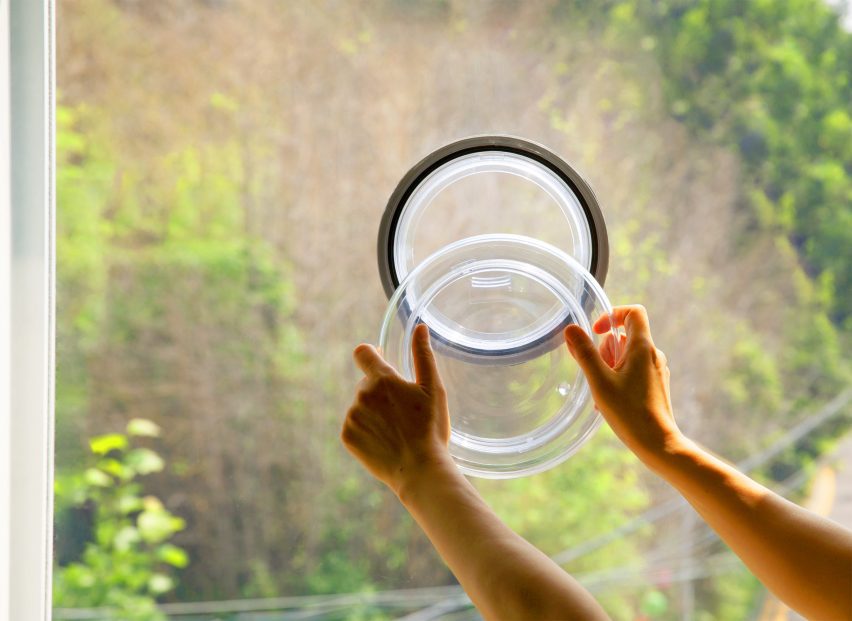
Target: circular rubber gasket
537 153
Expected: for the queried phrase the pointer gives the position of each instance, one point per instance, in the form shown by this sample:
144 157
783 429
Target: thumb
425 367
586 354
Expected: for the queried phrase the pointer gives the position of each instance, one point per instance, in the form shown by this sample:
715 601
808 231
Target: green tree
774 81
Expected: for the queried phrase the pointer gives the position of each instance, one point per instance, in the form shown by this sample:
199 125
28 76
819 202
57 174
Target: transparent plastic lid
496 306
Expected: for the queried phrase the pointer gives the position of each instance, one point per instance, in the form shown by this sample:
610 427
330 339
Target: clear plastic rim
568 428
531 466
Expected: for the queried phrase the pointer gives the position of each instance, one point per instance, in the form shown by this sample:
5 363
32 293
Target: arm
504 575
400 432
806 560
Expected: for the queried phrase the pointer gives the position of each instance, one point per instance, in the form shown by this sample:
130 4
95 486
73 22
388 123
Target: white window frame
26 307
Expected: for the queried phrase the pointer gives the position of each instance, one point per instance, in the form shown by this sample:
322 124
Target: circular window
490 184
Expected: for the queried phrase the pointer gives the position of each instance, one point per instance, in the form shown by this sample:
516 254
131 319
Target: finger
349 433
660 358
633 318
425 367
607 349
583 350
371 362
610 352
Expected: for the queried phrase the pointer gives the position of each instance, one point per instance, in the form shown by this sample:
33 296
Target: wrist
672 452
426 473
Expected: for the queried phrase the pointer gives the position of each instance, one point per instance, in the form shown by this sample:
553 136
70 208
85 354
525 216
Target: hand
632 393
396 428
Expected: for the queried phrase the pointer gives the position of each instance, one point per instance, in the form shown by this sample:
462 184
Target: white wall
26 328
5 261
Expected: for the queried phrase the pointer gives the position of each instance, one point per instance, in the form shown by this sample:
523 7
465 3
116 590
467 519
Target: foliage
216 257
128 561
85 173
158 285
772 80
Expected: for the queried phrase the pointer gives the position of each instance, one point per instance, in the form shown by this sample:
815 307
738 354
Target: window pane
222 169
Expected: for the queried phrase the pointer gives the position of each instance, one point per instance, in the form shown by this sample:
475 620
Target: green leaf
97 478
160 583
129 503
155 523
145 461
69 490
143 427
113 467
101 445
173 555
79 575
125 538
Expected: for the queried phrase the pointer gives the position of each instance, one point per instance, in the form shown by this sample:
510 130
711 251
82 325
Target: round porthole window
497 244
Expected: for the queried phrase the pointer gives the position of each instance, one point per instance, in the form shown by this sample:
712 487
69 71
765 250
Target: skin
400 430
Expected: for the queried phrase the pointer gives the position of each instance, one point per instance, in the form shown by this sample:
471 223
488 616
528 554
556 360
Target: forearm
804 559
504 575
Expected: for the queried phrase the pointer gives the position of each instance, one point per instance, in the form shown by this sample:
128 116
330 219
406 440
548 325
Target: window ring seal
475 144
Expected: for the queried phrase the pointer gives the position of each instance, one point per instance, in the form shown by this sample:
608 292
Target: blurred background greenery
222 166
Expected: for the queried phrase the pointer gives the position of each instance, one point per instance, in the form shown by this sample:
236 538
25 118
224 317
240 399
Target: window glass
222 170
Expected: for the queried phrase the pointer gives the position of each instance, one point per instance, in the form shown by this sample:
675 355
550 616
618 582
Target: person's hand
632 392
397 428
